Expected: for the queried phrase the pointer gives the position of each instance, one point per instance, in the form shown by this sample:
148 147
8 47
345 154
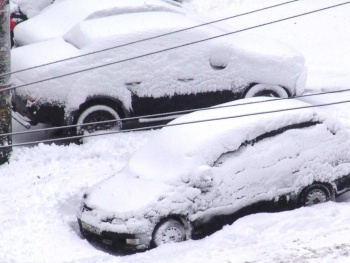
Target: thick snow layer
313 35
59 18
41 188
193 147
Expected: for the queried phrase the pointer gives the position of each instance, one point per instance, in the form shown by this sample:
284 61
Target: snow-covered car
58 18
161 75
208 168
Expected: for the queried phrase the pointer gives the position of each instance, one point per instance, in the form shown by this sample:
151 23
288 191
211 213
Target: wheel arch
330 186
255 84
178 217
114 103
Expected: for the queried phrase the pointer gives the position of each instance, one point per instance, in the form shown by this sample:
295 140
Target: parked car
31 8
191 179
58 18
16 17
155 77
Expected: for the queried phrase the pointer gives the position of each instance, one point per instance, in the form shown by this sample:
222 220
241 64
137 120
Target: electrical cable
181 112
173 124
175 47
151 38
62 127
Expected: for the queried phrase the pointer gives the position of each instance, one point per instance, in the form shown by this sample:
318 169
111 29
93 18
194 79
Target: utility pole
5 95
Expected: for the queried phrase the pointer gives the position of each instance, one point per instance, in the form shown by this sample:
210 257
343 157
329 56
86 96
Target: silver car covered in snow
191 179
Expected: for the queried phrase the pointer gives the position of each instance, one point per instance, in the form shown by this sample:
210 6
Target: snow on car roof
175 150
58 18
130 24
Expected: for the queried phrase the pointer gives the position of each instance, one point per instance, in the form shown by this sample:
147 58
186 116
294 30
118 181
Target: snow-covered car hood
112 195
58 18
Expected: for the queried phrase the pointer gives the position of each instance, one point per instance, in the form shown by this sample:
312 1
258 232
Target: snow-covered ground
41 187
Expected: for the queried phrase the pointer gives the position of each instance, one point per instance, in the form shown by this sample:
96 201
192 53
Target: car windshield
129 28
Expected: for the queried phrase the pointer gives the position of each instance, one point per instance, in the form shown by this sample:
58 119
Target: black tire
260 90
168 231
315 194
98 113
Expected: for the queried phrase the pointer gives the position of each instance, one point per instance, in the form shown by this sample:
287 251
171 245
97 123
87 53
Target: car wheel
315 194
95 115
168 231
260 90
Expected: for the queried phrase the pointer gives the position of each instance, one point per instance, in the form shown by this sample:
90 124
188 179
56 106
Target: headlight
80 209
133 241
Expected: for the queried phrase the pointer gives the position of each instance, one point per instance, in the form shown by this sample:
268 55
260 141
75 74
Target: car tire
261 90
98 113
168 231
315 194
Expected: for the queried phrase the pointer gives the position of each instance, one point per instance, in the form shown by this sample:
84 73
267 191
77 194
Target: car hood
125 193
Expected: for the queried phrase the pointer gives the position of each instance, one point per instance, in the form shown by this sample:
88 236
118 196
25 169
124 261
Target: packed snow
42 186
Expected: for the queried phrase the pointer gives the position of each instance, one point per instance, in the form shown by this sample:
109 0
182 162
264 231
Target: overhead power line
159 126
179 46
159 115
151 38
175 124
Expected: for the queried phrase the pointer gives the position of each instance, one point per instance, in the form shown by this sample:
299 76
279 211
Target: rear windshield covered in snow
126 25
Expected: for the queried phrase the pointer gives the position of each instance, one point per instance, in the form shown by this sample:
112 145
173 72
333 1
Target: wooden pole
5 96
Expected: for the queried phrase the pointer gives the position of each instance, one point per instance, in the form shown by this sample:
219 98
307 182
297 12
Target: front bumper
117 241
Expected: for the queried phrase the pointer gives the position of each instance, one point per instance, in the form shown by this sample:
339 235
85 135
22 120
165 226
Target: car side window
244 145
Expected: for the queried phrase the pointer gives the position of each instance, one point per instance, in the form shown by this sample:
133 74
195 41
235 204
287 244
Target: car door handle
131 84
186 79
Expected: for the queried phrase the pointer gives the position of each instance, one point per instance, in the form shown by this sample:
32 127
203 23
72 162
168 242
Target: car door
259 171
181 78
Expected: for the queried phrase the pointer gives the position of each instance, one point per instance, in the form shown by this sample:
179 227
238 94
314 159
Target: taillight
13 23
30 99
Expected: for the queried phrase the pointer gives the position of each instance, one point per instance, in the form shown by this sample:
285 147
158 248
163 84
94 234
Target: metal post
5 96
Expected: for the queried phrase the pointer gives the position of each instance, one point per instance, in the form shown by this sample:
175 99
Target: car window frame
270 134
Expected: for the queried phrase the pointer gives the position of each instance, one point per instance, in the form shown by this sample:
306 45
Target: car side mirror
202 178
220 56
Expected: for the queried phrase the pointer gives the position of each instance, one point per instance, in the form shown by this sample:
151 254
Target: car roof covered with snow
129 26
200 138
58 18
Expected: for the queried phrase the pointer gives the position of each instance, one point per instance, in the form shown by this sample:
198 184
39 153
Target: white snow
321 37
41 188
59 18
